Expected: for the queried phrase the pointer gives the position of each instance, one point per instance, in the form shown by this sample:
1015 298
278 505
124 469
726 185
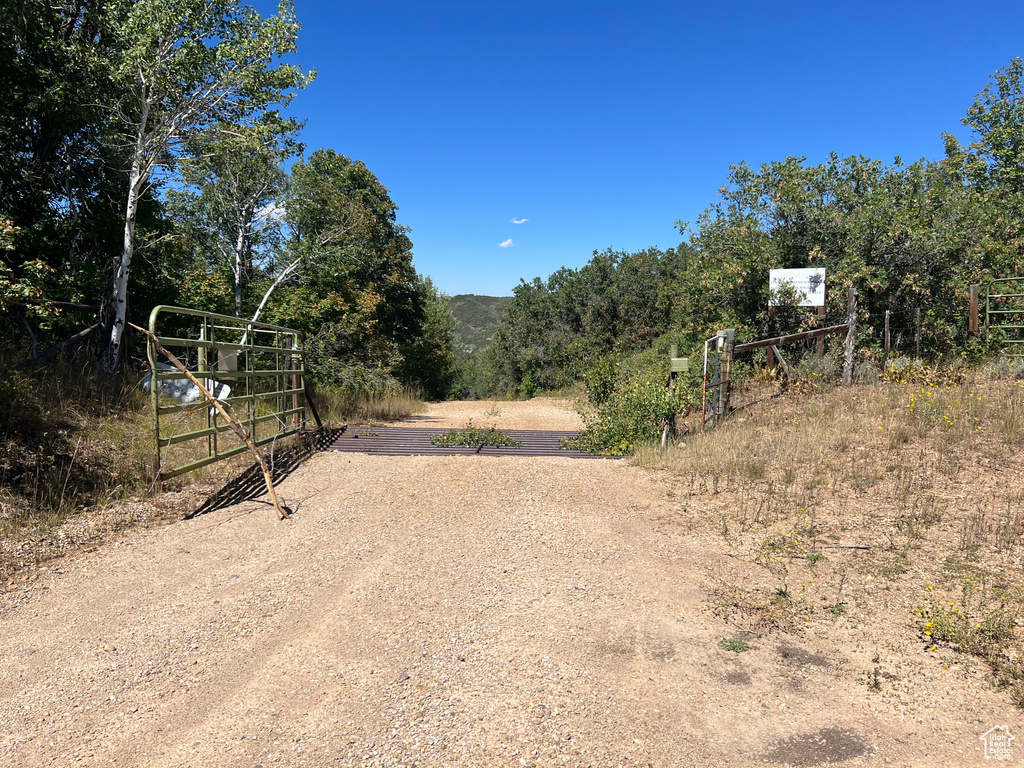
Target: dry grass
821 495
346 404
68 436
73 441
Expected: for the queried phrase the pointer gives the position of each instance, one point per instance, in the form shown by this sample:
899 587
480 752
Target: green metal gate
256 370
1004 311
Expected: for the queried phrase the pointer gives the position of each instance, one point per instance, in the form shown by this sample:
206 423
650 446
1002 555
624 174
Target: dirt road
452 611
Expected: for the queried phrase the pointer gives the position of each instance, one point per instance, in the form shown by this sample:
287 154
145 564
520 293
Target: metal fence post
728 342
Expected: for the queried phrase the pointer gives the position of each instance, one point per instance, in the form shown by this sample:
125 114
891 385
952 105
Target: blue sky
603 123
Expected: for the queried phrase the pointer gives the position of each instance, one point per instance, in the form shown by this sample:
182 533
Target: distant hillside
476 320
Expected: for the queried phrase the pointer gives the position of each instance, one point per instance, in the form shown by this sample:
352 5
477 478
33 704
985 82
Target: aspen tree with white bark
230 212
188 68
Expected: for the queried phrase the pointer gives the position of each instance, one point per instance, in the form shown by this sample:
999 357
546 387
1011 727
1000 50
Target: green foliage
227 210
369 318
884 229
183 70
474 436
477 319
909 237
600 380
187 87
58 177
632 415
734 645
552 331
996 158
428 354
30 286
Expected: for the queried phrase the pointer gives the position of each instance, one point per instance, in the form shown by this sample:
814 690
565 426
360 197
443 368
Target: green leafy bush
600 380
473 436
631 415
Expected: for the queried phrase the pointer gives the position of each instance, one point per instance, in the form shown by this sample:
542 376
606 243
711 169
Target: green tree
350 280
231 207
56 175
996 157
553 332
428 354
185 68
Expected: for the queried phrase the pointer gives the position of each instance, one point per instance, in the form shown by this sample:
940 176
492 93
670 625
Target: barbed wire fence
885 335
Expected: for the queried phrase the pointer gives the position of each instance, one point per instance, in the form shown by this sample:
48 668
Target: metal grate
414 441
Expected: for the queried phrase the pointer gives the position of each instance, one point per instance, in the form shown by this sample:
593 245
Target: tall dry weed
69 437
345 404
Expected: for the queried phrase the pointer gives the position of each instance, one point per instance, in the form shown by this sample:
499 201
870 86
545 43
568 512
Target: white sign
809 285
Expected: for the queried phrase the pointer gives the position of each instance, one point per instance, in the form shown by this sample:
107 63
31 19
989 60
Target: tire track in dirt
416 611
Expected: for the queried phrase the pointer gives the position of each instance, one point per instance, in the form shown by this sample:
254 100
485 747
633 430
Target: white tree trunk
121 271
239 268
285 274
136 183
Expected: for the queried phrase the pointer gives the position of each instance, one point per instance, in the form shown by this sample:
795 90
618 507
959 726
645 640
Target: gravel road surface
428 611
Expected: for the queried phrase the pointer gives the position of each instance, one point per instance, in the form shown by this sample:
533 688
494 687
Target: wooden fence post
973 326
821 324
851 318
771 332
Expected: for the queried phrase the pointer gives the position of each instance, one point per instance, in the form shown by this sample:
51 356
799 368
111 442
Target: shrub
735 645
472 436
821 369
631 415
1003 367
600 378
865 373
527 387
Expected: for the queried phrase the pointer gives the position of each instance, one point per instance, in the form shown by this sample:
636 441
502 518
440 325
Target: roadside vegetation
883 514
896 505
910 237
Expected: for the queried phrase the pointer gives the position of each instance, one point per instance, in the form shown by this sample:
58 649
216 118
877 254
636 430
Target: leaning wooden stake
783 364
281 510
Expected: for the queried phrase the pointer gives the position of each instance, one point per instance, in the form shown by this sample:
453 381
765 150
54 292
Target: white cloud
519 221
507 244
271 212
